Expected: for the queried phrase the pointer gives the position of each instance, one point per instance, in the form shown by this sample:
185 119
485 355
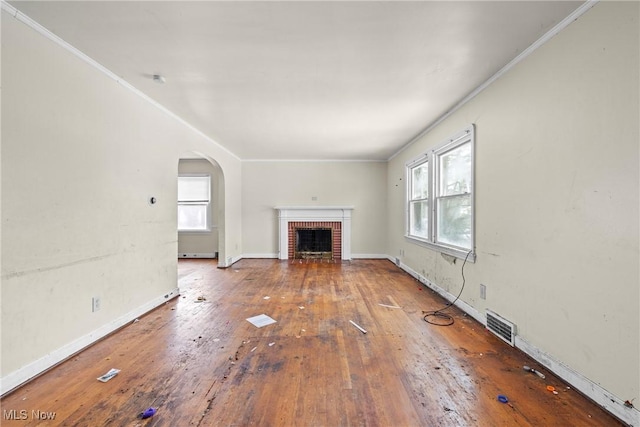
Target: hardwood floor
201 363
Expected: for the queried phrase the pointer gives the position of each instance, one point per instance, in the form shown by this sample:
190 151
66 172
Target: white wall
557 238
269 184
81 156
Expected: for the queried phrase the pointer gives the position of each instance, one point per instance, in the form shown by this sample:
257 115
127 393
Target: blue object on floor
148 413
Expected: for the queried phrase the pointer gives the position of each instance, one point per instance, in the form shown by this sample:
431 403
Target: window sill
208 230
448 250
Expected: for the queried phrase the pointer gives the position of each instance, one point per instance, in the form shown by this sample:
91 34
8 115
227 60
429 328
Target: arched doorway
193 240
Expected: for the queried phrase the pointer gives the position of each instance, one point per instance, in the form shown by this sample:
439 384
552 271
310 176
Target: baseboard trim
229 261
608 401
276 256
368 256
440 291
17 378
260 256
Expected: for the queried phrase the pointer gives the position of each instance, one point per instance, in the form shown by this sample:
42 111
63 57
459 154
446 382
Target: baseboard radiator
208 255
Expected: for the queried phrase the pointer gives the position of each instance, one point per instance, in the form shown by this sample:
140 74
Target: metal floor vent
501 327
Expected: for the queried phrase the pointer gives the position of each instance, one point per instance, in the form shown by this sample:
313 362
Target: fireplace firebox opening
334 229
313 243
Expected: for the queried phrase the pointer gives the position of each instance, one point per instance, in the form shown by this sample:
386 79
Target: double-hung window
194 202
419 198
440 196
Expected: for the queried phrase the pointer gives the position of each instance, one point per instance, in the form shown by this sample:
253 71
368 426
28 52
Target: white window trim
431 157
210 226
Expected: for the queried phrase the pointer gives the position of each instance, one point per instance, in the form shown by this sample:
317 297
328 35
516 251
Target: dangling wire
448 319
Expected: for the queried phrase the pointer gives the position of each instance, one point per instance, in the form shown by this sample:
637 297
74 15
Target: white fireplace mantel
287 214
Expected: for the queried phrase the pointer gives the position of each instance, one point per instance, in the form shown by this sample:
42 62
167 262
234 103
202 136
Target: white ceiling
303 80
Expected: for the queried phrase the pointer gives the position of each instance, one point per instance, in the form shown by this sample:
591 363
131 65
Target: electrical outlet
483 291
95 304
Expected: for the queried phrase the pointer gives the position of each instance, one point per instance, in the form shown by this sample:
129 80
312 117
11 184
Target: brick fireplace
334 229
335 218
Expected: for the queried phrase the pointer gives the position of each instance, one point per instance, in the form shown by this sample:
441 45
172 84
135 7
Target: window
419 200
194 200
440 193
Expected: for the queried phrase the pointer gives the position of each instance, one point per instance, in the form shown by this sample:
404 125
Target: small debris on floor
148 413
538 373
388 306
106 377
261 320
358 326
267 297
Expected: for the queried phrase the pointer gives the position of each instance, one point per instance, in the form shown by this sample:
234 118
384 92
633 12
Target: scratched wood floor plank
201 363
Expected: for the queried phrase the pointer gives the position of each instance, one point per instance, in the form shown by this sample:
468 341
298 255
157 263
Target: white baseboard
577 381
276 256
191 255
609 402
260 256
229 261
368 256
353 256
446 295
37 367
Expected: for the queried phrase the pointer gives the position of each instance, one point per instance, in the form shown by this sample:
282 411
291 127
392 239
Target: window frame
206 203
432 159
412 200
